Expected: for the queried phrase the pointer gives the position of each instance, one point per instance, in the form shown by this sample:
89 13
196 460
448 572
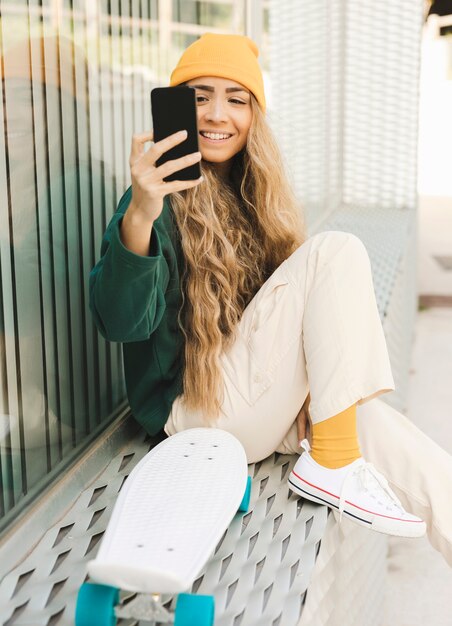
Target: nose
216 111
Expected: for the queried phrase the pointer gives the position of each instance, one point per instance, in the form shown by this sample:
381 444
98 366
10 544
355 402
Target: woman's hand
148 186
303 420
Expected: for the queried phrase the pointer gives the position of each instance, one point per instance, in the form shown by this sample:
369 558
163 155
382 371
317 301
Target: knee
331 242
339 237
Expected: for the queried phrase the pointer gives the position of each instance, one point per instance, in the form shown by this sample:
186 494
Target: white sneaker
357 491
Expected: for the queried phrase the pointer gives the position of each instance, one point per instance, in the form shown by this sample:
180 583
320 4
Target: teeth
215 135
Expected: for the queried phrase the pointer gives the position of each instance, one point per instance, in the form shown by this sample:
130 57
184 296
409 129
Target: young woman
232 318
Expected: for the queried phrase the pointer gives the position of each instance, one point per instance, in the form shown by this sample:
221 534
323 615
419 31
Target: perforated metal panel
345 85
259 573
348 584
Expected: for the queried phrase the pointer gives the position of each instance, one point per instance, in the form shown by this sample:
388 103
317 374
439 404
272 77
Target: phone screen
174 109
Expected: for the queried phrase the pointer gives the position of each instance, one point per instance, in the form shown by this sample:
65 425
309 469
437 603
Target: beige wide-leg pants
314 327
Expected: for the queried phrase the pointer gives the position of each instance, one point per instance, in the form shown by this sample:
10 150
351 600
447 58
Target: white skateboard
169 517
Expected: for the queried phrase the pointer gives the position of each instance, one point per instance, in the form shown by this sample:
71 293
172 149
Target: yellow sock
335 440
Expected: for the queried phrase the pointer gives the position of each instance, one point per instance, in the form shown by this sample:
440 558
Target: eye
238 101
197 98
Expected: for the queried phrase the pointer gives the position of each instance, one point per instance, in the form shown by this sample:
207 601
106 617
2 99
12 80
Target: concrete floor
419 582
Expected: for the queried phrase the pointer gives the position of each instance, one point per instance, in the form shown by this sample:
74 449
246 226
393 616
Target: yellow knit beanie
225 56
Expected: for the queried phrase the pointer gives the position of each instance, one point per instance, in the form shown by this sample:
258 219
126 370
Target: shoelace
365 472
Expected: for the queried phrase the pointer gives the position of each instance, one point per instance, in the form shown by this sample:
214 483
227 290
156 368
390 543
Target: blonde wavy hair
234 234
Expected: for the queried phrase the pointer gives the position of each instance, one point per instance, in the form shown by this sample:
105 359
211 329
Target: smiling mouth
214 139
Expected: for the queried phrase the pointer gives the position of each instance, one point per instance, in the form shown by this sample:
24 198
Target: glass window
218 14
76 79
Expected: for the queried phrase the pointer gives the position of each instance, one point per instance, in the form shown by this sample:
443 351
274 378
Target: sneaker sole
374 521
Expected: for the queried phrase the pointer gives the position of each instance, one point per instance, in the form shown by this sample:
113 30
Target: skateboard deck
171 512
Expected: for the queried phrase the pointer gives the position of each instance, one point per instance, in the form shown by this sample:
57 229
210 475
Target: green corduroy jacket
135 300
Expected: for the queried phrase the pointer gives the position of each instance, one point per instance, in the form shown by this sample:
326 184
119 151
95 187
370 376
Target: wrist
135 231
136 217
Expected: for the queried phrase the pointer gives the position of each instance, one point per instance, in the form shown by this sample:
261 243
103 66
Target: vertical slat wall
76 82
345 82
77 76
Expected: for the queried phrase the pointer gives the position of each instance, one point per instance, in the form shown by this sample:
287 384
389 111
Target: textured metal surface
259 573
347 586
265 561
399 323
345 100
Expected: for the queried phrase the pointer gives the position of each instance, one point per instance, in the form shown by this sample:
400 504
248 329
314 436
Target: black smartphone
174 109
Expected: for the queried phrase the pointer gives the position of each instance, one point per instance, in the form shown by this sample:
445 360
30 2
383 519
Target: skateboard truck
99 605
145 607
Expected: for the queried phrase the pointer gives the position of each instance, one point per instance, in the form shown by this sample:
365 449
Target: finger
180 185
158 174
138 141
165 144
177 164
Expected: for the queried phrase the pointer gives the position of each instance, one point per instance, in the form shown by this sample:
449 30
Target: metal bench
261 571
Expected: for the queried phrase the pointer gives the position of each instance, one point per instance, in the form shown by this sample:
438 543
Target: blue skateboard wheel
192 610
96 605
245 503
